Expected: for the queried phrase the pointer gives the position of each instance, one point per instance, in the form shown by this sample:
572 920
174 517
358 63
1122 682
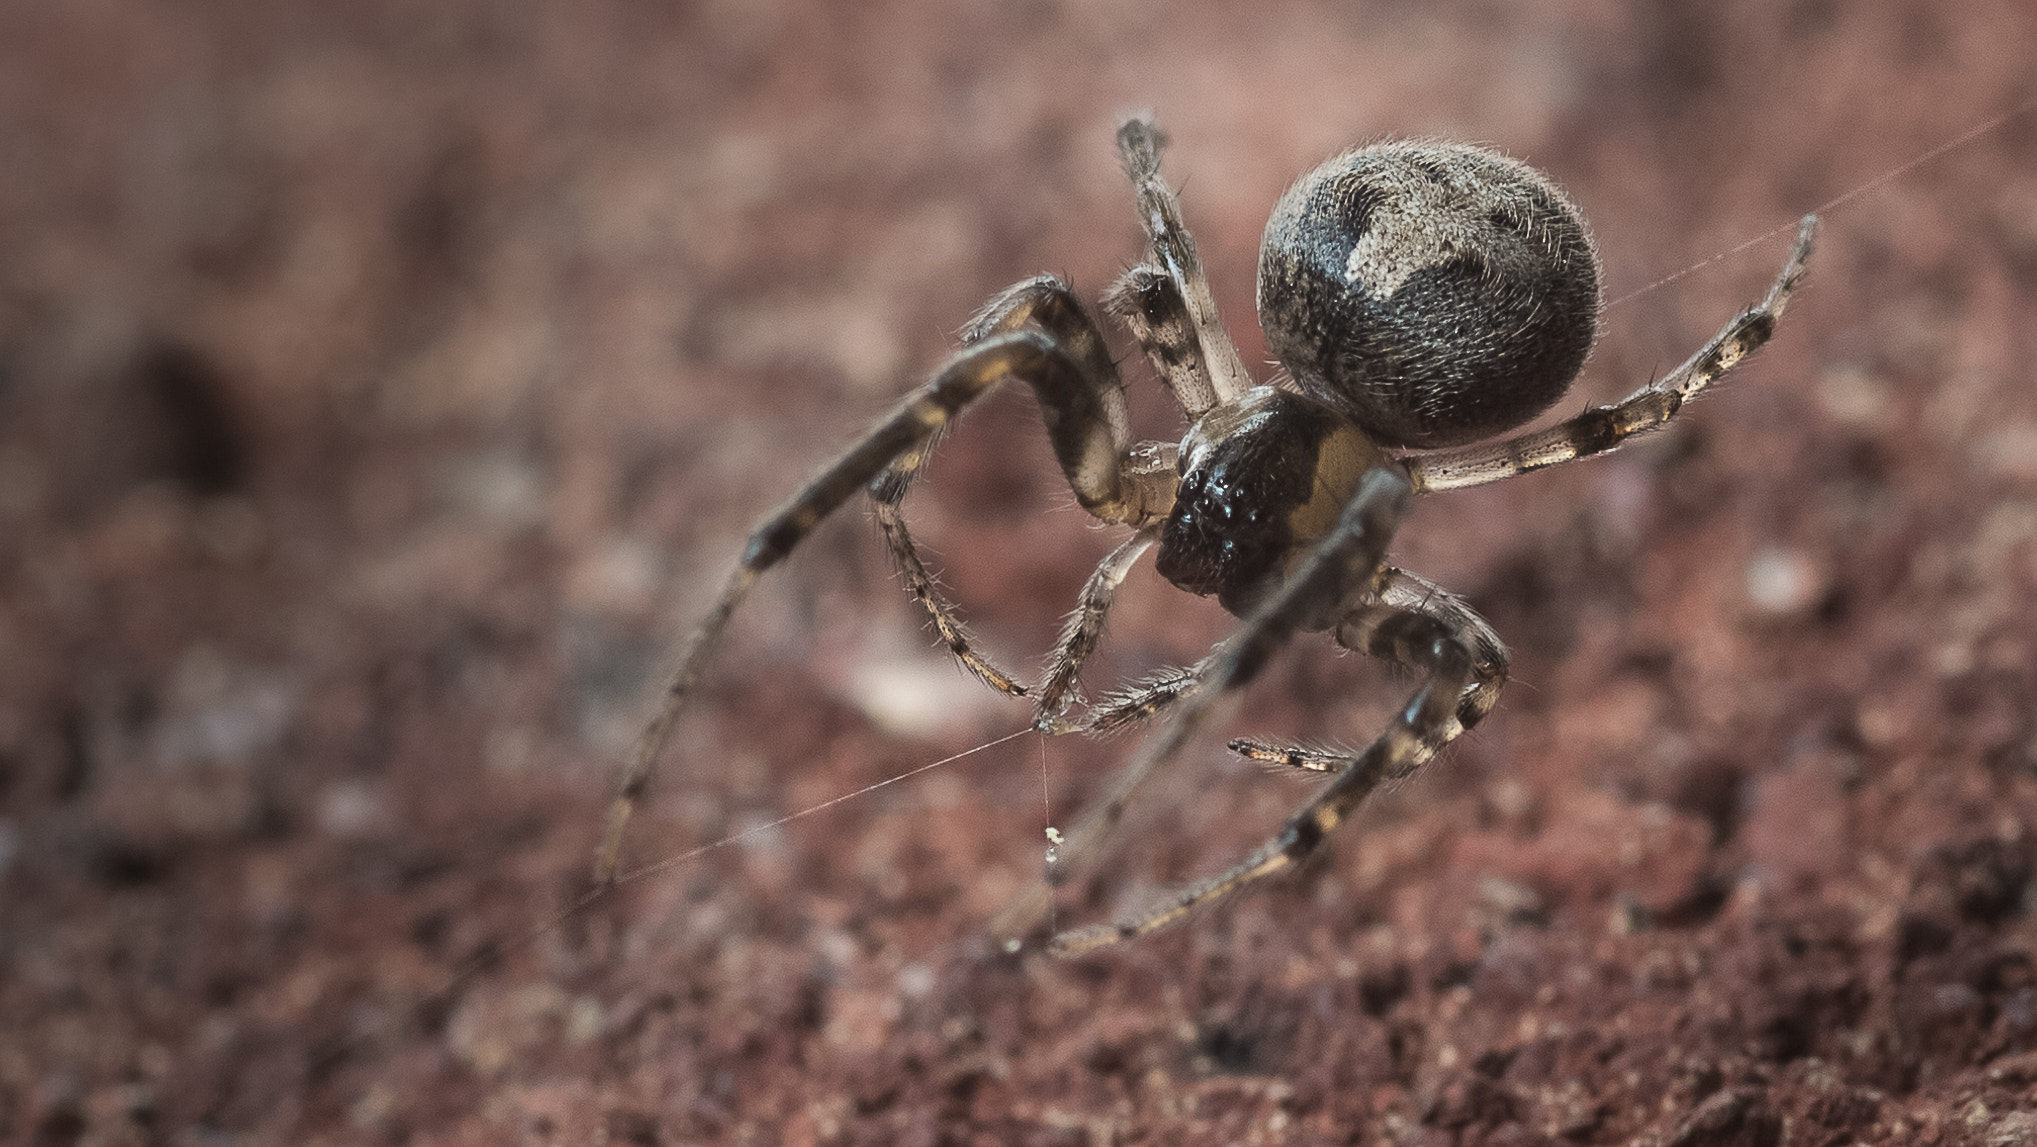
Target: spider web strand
1828 206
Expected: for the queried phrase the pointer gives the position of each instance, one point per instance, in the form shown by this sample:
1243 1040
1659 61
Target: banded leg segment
1085 630
1174 250
1370 628
1413 738
1151 307
1292 756
1603 428
1076 423
1145 699
1105 482
919 581
1340 567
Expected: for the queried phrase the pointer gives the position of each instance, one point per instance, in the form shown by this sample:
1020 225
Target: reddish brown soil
384 386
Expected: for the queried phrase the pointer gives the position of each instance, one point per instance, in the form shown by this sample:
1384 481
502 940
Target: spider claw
1054 725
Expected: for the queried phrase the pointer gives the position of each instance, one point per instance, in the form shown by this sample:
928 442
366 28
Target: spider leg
1144 699
1086 442
1152 696
1174 250
1602 428
1151 307
920 582
1085 630
1292 756
1343 565
1457 688
1047 303
1361 632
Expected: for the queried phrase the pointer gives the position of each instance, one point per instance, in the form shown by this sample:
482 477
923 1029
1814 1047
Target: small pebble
1782 581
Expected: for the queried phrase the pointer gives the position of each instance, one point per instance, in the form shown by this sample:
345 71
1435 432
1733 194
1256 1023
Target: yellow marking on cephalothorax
1342 458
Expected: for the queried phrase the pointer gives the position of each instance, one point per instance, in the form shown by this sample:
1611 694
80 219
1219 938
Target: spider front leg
1343 566
1174 252
1145 699
1151 306
1358 632
1139 490
1084 631
1088 442
1603 428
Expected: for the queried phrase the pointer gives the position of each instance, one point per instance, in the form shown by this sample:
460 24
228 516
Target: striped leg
1308 760
1086 441
1151 307
1429 720
1084 630
1601 429
1047 303
1145 699
1369 629
1343 566
919 581
1174 251
1152 696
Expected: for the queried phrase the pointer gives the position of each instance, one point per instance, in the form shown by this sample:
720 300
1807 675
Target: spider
1421 296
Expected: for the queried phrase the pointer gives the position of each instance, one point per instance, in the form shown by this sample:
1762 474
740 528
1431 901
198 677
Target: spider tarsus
1139 143
1289 756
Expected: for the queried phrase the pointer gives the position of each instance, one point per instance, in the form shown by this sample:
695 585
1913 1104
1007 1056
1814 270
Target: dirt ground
385 387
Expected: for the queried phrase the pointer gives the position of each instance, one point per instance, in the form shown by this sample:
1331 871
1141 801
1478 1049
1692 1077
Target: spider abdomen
1435 293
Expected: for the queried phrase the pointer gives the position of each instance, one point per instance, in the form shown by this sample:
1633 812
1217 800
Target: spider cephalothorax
1422 295
1261 478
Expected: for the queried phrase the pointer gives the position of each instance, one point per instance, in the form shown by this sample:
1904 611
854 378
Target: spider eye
1435 293
1218 540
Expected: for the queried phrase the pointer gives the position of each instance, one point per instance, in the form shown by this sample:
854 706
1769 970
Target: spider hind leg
1603 428
1340 569
1431 718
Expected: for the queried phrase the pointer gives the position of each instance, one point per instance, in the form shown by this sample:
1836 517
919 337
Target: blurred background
385 388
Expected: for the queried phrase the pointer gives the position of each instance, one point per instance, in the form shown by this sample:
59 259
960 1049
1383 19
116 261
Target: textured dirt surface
384 388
